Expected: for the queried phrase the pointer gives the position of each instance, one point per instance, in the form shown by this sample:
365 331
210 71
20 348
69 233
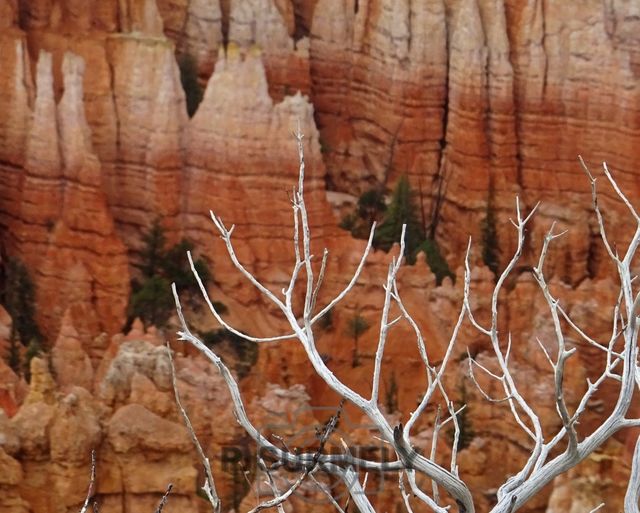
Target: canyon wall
476 101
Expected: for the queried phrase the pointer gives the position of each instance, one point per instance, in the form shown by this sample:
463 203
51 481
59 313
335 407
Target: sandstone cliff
476 100
57 219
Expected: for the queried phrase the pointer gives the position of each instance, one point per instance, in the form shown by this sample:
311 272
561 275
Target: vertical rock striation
379 83
240 152
144 177
270 25
62 227
196 28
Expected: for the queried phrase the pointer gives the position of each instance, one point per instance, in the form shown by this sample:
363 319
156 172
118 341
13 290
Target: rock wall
57 218
476 101
255 159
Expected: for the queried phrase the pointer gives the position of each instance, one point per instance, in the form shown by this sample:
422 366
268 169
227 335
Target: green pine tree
490 246
402 210
152 254
151 298
436 262
19 297
245 352
370 208
175 265
371 205
152 301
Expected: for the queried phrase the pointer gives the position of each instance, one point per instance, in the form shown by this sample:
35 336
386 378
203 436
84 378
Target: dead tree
551 453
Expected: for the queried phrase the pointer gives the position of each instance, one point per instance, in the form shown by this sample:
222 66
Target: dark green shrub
152 253
175 265
435 260
349 222
212 338
245 352
220 307
151 297
490 246
371 206
402 210
18 297
369 209
152 301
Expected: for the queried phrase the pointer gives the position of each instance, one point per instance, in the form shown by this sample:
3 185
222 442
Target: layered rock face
196 28
57 219
379 74
255 158
144 179
271 26
474 100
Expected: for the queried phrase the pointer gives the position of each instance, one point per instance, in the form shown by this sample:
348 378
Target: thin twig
92 484
164 499
209 487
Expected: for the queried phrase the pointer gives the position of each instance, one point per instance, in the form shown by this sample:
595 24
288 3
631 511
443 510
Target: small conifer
402 210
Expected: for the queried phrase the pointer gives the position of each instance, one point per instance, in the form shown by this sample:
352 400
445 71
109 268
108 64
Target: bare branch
405 495
633 489
514 398
92 484
219 318
352 282
563 354
411 476
323 268
472 375
584 336
279 498
327 493
437 375
384 324
209 487
620 194
434 446
620 365
164 499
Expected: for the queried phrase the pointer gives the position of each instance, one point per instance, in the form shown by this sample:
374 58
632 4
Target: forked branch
538 470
